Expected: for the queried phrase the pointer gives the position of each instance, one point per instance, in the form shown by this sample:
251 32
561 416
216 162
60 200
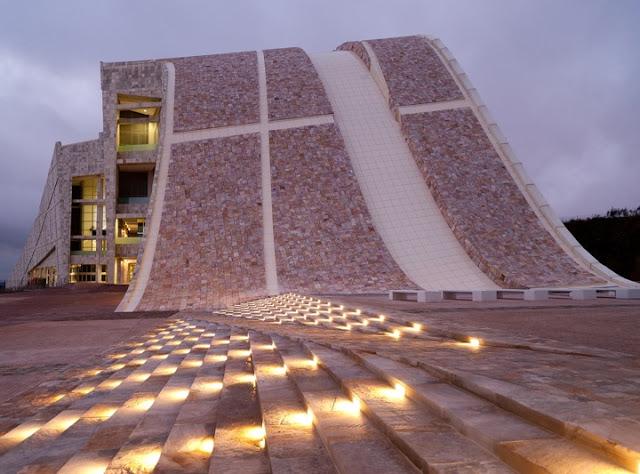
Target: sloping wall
477 196
209 247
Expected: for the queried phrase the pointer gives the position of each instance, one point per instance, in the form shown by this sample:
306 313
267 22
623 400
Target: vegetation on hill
614 239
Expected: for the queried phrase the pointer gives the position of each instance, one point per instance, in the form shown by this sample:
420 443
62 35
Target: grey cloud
559 77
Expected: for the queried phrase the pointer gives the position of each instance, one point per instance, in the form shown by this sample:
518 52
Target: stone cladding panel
51 227
359 50
483 205
325 239
293 87
216 91
413 71
210 244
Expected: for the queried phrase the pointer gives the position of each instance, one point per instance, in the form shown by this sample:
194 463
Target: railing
143 147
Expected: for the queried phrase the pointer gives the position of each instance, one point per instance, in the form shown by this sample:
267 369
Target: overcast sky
560 77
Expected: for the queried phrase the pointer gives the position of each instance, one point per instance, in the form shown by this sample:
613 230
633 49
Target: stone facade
216 91
209 251
50 235
483 205
293 87
358 49
325 240
413 71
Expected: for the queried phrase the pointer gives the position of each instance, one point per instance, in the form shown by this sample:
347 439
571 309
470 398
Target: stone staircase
197 395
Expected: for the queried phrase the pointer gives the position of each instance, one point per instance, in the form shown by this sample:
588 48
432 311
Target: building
222 178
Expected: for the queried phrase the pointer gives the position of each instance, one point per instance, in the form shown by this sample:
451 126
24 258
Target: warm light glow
174 343
137 362
110 384
302 418
155 347
191 363
94 372
348 406
87 466
117 366
141 377
181 351
417 326
145 461
84 390
214 358
246 378
191 339
474 342
213 387
54 398
314 362
160 356
104 412
153 341
381 317
166 370
240 337
277 370
358 311
365 322
138 351
118 356
62 422
22 432
209 334
400 390
202 346
239 353
203 445
178 394
395 334
143 404
256 433
198 330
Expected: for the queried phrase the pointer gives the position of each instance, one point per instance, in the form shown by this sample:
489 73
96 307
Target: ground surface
606 324
82 387
45 332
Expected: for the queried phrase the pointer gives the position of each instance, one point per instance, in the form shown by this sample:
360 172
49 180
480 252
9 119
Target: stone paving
294 383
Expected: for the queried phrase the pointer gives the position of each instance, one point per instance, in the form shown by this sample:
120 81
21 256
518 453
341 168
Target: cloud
559 77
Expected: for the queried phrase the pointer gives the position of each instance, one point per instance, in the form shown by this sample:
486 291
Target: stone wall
210 247
293 86
49 236
413 71
358 49
216 91
324 237
483 205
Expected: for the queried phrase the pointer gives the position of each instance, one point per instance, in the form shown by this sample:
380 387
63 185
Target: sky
561 78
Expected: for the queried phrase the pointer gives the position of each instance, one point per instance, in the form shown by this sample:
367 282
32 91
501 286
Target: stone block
430 296
627 293
484 295
536 295
583 294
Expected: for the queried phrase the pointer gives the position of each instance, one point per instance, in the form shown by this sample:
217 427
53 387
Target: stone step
143 447
29 448
190 443
609 431
592 423
353 442
239 435
508 436
107 441
291 441
422 434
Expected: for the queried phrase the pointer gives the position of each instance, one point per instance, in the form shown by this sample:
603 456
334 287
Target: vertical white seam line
134 295
270 269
